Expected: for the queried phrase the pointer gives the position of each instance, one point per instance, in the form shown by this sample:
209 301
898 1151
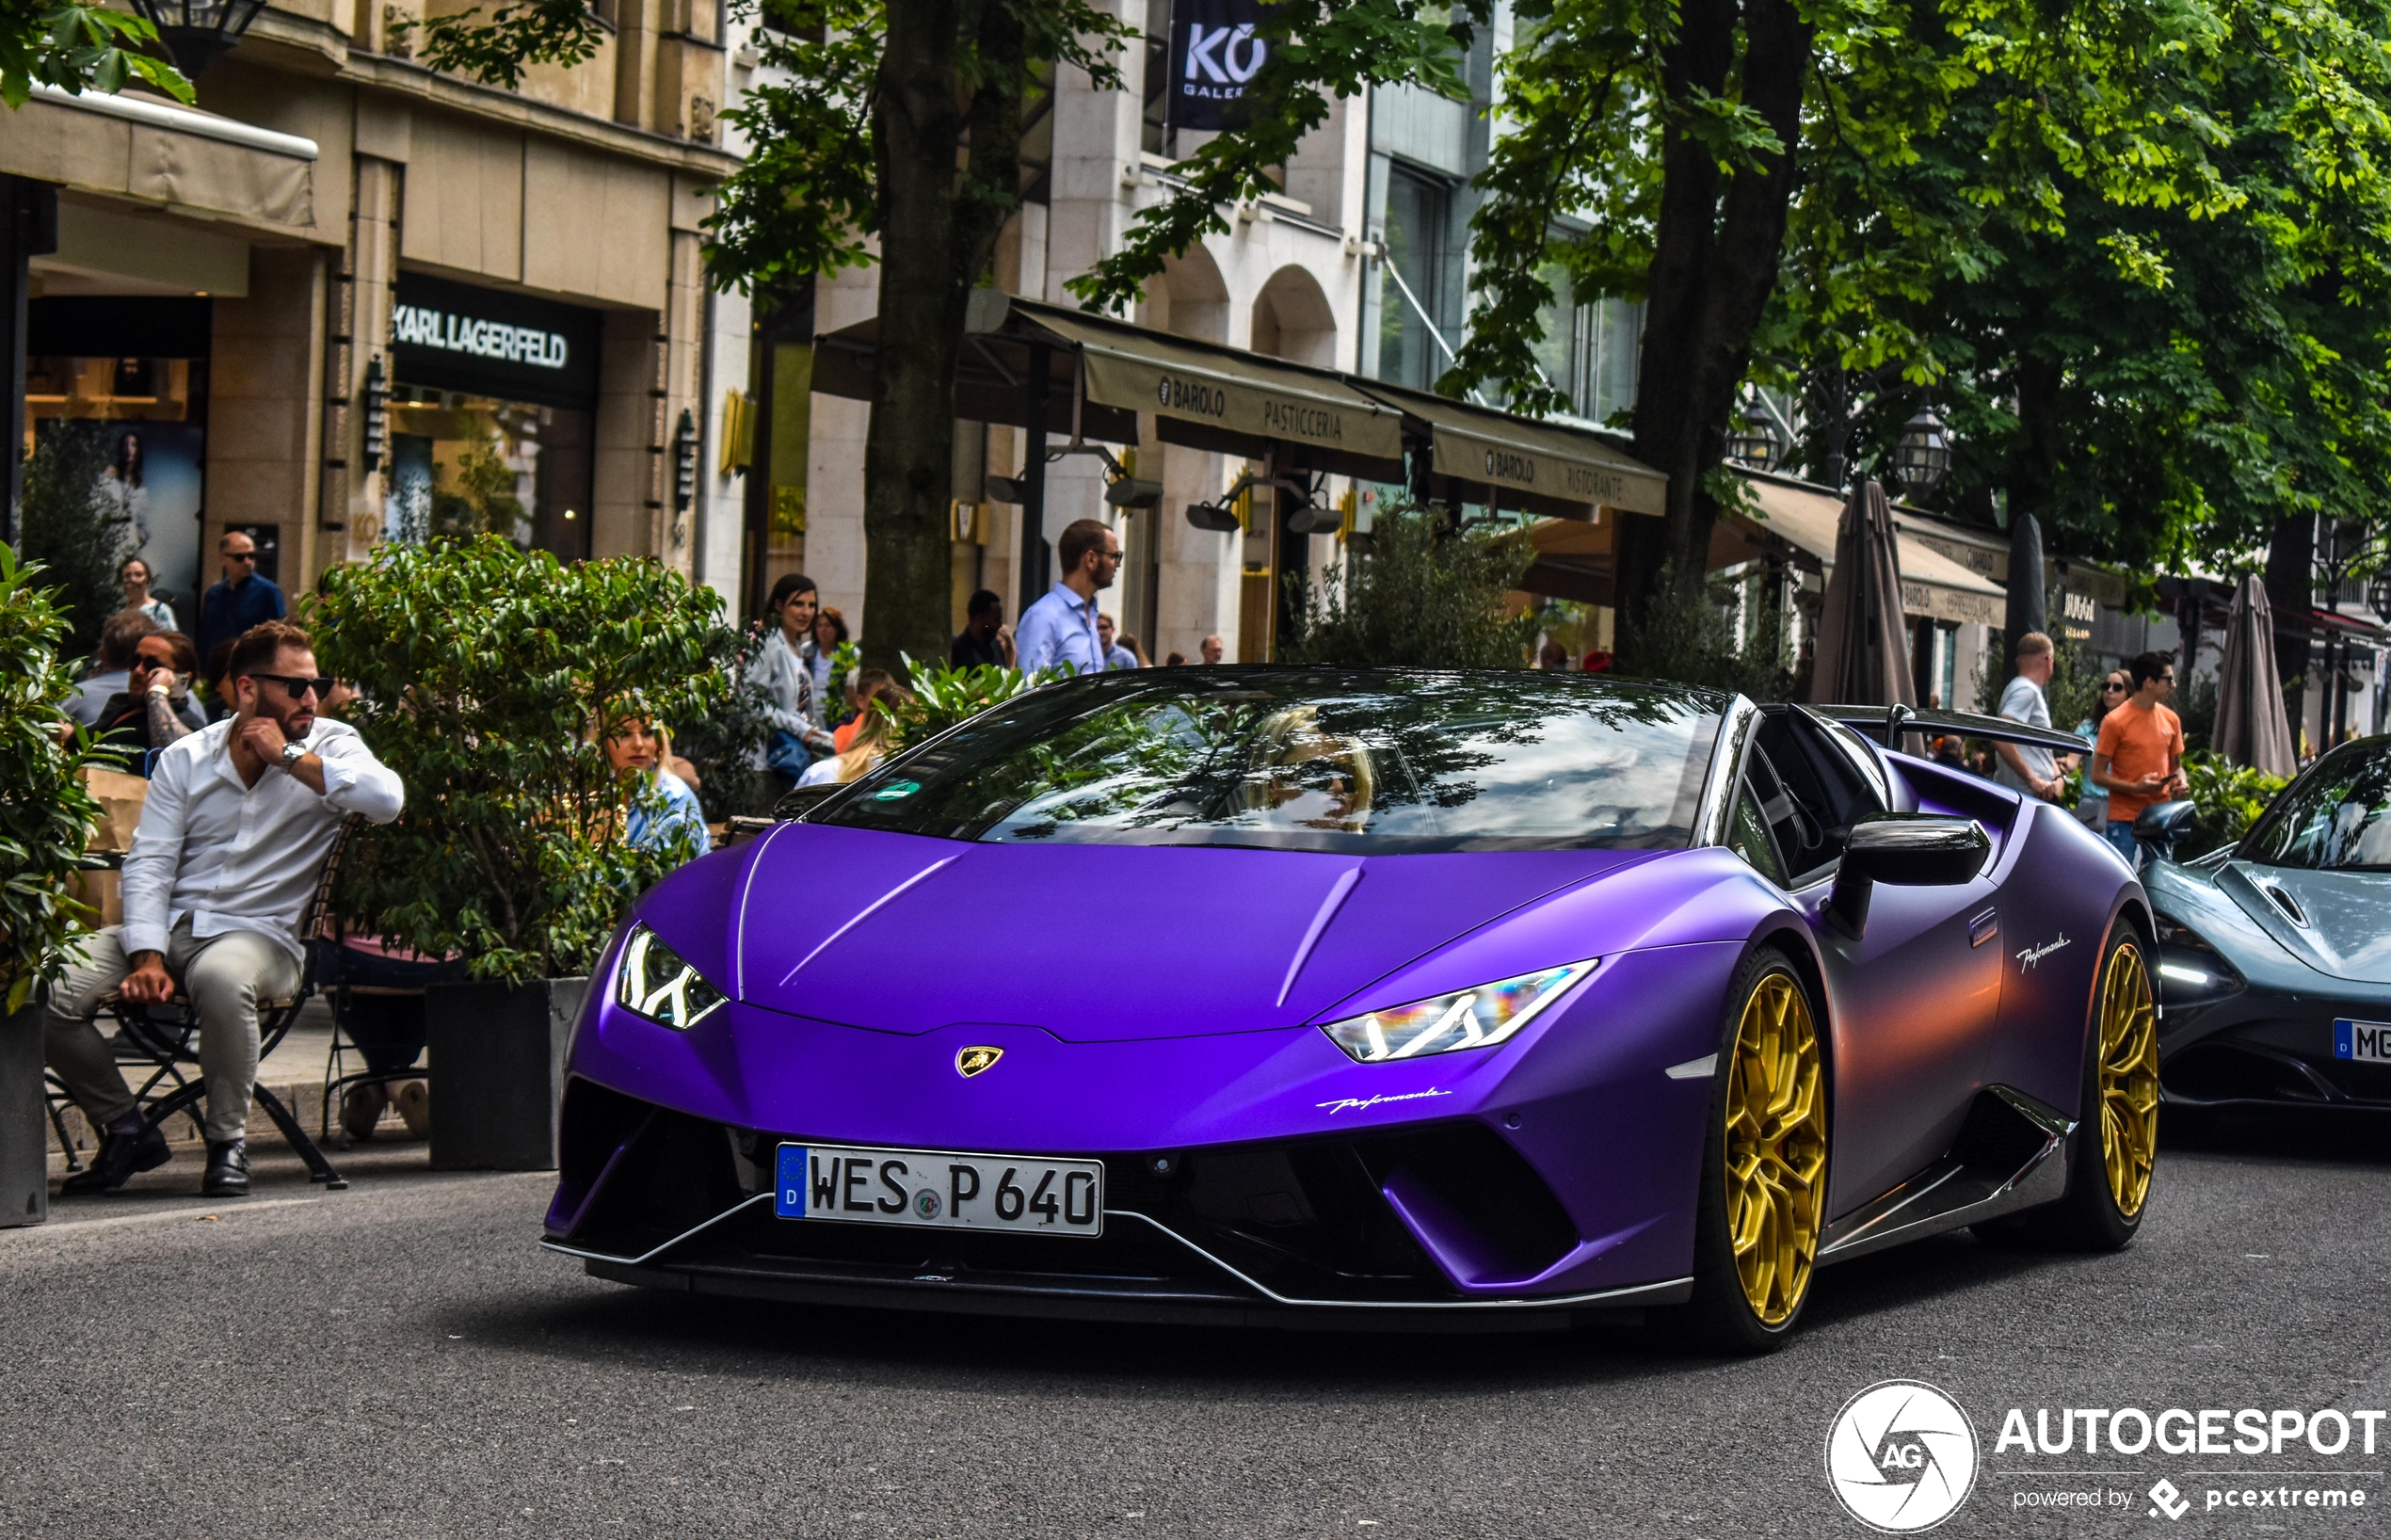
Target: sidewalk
294 1072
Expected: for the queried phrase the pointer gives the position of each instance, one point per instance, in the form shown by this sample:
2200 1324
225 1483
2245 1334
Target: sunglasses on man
298 687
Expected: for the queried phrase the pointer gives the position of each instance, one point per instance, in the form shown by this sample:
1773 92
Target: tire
1762 1201
2112 1154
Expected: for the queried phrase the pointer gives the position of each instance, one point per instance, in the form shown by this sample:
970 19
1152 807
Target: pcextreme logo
1900 1456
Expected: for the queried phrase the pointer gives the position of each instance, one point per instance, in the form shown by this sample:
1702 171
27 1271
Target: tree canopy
79 48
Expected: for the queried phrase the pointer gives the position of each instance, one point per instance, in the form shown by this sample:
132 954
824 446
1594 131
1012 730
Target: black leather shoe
120 1155
228 1170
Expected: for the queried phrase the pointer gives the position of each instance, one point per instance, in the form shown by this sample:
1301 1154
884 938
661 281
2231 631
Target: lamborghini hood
1092 943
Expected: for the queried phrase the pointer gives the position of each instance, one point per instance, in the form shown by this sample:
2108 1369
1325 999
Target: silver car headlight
653 981
1478 1018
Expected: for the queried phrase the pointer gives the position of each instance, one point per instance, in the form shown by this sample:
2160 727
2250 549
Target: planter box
24 1123
496 1053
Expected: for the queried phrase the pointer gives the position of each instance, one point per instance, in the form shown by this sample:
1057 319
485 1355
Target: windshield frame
1730 713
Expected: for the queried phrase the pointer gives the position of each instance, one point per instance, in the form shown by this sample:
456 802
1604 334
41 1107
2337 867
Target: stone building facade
339 240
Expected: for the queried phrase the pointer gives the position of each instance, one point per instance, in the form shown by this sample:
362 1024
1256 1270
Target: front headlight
652 980
2189 968
1478 1018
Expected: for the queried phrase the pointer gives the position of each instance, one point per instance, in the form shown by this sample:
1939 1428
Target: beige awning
1932 585
1221 397
1542 467
1102 373
164 156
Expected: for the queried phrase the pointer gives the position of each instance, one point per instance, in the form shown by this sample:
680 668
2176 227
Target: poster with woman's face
153 475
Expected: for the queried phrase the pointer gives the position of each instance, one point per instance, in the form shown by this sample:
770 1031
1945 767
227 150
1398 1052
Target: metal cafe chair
342 993
165 1038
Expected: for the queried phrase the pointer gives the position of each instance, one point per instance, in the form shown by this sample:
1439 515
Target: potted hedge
46 818
488 676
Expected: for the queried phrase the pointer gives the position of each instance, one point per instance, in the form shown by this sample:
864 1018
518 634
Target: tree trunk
940 222
908 454
1715 264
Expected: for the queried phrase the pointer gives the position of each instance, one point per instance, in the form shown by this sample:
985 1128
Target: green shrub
725 741
943 696
2227 799
45 813
1422 595
1691 638
488 675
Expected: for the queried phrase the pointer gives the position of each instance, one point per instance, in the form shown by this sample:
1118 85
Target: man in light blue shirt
1058 633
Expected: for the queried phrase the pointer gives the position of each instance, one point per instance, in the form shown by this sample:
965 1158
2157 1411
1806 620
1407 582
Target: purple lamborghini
1365 998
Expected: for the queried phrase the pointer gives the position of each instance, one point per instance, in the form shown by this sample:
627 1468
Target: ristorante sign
491 342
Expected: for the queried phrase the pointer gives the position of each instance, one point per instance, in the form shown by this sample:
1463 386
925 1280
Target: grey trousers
227 976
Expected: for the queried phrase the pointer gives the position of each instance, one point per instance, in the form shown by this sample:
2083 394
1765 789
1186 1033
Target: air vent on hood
2289 906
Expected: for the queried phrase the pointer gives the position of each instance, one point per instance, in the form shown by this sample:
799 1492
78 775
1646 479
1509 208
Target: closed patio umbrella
2252 728
1863 648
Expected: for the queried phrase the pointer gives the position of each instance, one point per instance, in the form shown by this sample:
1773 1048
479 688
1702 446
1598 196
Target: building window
1414 297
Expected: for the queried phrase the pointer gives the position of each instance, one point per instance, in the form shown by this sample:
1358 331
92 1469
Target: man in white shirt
224 863
2033 771
1058 633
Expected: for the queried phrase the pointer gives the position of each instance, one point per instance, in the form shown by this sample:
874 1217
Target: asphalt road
400 1359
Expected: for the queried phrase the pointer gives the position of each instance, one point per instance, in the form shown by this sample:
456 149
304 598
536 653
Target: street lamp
1924 457
1757 443
198 32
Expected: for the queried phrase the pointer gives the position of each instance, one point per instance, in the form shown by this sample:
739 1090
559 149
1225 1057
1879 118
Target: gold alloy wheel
2128 1080
1776 1149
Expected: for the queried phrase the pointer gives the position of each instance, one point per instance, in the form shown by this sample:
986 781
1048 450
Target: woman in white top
133 573
780 674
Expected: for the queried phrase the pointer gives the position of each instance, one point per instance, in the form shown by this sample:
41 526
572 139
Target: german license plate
940 1189
2368 1042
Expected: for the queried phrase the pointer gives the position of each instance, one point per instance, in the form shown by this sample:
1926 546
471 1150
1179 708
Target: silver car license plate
939 1188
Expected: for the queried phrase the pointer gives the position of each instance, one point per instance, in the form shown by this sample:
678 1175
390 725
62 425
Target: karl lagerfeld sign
493 342
1216 47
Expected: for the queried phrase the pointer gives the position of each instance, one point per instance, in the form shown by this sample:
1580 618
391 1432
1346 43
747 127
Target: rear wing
1884 723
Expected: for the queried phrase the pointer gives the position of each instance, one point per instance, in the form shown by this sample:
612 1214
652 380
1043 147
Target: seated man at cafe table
233 839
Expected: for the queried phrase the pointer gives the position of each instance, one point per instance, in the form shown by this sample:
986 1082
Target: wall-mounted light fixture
684 462
377 413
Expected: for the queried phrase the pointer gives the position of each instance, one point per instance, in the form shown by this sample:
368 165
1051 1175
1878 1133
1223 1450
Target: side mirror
1908 850
2161 826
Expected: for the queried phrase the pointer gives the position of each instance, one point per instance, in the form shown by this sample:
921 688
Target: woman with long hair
780 674
822 657
2093 806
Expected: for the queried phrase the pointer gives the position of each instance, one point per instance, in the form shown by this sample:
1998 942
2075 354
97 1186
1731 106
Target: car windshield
1363 760
2336 818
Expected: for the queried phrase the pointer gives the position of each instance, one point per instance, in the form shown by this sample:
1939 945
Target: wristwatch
292 754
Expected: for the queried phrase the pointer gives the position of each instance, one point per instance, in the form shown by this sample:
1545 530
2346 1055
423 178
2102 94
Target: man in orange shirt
2139 759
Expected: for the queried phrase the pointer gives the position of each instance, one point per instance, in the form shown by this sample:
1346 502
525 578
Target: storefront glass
492 421
465 464
149 415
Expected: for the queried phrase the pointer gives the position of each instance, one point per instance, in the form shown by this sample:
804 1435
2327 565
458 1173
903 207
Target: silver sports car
2274 954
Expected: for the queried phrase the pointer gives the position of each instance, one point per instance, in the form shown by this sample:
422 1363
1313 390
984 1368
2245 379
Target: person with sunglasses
233 835
2092 803
2139 757
244 597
